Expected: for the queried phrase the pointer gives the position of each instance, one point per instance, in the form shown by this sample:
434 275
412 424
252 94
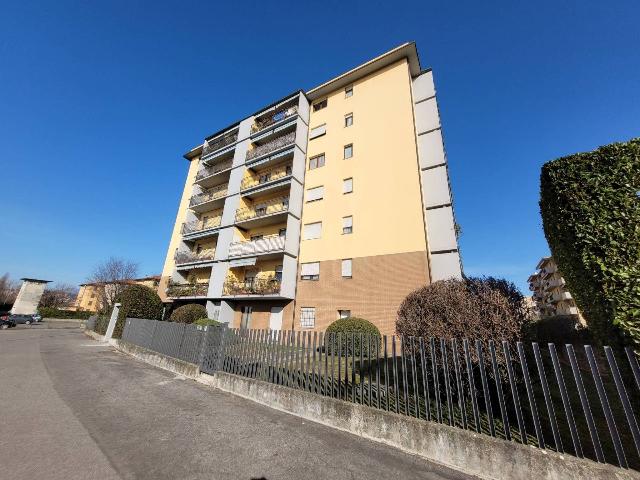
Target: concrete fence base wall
463 450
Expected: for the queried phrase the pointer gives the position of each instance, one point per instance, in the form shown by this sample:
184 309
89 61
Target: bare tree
112 276
8 290
58 296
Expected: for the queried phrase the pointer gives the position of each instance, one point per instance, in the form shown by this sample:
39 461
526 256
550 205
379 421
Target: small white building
29 296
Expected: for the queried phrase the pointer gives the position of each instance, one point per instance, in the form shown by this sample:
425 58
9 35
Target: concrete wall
28 297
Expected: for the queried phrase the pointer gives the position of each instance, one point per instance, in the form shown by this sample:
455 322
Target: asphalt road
73 409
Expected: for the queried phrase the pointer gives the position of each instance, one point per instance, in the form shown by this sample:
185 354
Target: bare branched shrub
473 308
8 290
58 296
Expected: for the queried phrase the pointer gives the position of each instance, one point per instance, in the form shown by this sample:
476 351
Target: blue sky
99 100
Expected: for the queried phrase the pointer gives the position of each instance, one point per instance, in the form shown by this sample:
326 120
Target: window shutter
316 193
312 231
346 268
310 269
317 131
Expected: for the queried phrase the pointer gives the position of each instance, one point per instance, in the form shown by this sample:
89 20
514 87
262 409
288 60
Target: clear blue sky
99 100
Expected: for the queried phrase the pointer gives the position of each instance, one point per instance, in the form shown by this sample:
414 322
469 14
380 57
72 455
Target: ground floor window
344 313
308 317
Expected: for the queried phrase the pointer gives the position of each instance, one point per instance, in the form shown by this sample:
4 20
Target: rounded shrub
138 301
188 313
473 308
346 336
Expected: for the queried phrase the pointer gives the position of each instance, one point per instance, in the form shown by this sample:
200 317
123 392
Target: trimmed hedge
48 312
590 206
207 322
138 301
351 344
188 313
102 323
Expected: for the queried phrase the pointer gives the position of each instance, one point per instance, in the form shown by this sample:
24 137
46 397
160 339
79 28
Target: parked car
27 319
6 323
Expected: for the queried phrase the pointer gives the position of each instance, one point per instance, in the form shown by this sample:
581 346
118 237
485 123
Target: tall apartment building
330 202
550 294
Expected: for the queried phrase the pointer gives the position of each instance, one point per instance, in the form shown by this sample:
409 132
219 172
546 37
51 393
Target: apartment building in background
550 294
328 203
90 295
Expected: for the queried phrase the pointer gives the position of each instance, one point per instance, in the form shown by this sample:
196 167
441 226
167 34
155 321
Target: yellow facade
385 203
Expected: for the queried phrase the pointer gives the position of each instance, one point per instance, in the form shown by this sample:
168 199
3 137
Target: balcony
271 146
181 290
206 200
215 144
258 286
561 296
263 246
266 179
196 228
273 118
269 209
556 282
186 258
206 175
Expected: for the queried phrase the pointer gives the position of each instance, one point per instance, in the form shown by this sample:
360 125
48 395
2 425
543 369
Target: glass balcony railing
208 195
217 143
269 207
266 176
183 258
271 146
277 116
177 290
193 227
270 244
257 286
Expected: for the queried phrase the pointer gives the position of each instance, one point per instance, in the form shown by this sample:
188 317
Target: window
307 317
282 232
310 271
256 237
344 313
348 120
320 105
347 185
346 268
316 162
347 225
348 92
198 248
312 231
90 303
285 203
279 273
261 210
316 193
348 151
317 131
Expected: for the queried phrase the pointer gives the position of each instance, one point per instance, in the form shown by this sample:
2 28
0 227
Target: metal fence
575 400
178 340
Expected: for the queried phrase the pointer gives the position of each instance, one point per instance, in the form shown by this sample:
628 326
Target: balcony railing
271 146
258 286
275 205
272 243
219 142
193 227
213 169
208 195
274 117
266 176
177 290
183 258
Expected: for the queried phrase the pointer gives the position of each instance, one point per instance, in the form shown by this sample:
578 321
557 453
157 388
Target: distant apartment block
328 203
90 295
549 291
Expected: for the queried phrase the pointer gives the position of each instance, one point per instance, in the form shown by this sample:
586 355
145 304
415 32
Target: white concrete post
112 321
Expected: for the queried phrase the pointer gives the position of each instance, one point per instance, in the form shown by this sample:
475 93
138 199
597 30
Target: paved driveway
73 409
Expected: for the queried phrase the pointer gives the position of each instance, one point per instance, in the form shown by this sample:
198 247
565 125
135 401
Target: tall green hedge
590 206
138 301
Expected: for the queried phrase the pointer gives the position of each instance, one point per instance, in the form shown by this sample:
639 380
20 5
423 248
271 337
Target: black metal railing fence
579 400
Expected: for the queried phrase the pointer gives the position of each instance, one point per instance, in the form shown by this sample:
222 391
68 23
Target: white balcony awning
243 262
